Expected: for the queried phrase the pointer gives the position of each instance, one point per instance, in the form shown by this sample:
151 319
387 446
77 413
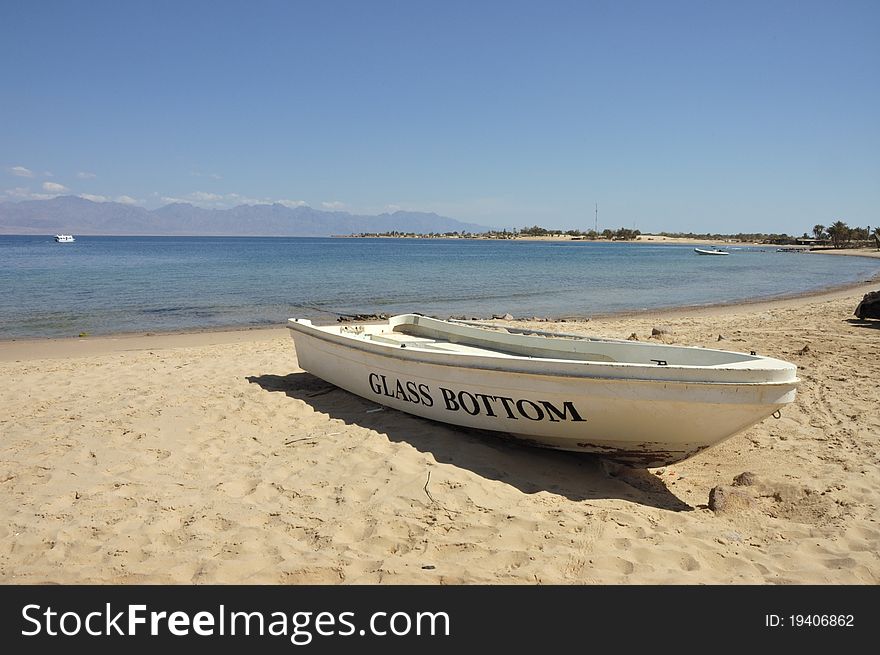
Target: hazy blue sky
702 116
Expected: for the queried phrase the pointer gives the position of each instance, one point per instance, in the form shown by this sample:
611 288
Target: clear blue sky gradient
679 116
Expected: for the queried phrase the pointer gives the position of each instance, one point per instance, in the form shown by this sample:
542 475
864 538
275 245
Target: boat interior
427 334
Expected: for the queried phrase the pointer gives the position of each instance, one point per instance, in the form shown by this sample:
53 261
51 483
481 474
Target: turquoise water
102 285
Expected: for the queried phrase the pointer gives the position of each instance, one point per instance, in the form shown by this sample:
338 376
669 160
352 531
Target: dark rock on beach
869 307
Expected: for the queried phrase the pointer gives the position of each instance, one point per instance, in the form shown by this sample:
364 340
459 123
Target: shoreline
653 239
26 348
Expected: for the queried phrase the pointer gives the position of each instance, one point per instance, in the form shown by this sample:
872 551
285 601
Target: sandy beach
212 458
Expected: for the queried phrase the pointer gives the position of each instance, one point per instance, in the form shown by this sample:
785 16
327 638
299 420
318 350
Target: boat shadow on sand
576 476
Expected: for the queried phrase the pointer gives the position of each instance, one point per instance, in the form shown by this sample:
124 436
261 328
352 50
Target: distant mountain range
73 215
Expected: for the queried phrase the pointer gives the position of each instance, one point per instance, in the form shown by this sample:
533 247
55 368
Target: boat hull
641 422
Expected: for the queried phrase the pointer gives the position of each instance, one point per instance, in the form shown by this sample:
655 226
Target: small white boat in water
702 251
64 238
641 403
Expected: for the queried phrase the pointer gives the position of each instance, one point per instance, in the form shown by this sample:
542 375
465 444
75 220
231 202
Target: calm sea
101 285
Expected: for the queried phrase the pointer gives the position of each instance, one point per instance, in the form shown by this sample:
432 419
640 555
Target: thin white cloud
291 203
54 187
238 199
170 200
24 193
210 200
392 208
93 198
18 192
235 199
334 205
20 171
202 196
124 200
85 175
204 199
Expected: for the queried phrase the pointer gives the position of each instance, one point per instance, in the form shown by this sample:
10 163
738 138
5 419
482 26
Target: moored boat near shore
640 403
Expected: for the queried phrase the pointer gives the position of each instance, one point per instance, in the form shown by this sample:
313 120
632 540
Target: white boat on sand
703 251
641 403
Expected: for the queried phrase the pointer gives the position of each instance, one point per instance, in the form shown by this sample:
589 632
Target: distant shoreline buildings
838 235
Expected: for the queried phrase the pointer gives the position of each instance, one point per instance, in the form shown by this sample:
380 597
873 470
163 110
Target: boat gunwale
481 361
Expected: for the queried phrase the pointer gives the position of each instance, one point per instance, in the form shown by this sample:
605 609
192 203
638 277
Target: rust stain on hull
644 455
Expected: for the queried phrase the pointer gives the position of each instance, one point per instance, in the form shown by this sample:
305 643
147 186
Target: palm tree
819 231
859 234
840 234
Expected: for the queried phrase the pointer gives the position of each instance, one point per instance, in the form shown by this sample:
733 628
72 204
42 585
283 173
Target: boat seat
447 346
399 339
